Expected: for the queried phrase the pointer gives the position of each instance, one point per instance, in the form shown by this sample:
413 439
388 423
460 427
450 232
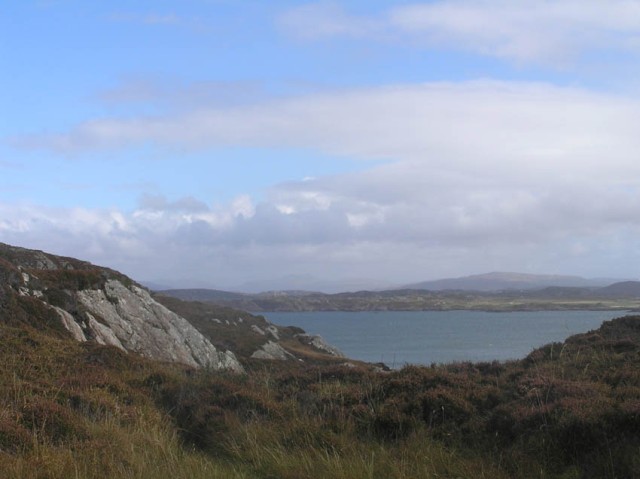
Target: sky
217 142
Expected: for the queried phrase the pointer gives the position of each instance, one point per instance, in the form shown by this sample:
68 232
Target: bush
51 421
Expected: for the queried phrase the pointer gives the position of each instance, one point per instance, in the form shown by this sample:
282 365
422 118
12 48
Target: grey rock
258 329
319 343
271 350
273 330
132 320
103 334
70 323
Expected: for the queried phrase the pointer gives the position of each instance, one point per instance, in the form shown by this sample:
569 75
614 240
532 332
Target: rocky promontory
92 303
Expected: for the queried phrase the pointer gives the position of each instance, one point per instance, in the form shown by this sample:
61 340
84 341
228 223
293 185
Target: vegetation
548 299
71 409
232 329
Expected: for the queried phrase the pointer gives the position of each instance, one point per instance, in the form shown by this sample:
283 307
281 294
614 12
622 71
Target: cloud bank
468 177
546 32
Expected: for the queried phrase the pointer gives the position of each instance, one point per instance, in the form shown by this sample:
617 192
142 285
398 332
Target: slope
74 298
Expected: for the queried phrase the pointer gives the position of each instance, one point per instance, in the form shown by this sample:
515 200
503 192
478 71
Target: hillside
74 298
73 407
623 289
81 409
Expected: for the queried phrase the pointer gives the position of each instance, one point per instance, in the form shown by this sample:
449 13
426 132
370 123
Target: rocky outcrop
250 336
70 324
319 343
128 318
101 305
271 350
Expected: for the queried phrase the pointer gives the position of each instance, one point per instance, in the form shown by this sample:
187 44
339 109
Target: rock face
91 303
319 343
271 350
97 304
252 337
131 320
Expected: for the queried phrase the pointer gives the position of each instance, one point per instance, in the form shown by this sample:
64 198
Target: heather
70 409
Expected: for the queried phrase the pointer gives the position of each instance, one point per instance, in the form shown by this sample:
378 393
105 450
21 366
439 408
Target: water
425 337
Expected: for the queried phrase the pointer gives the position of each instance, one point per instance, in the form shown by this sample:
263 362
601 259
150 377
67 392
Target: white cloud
242 206
160 203
478 176
546 31
372 224
522 130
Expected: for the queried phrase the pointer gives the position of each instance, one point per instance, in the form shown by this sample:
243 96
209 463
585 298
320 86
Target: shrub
51 421
14 437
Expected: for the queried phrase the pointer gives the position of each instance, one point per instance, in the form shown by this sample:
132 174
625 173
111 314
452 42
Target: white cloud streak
548 31
483 125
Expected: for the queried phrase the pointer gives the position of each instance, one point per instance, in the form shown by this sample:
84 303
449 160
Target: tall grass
146 449
70 410
272 454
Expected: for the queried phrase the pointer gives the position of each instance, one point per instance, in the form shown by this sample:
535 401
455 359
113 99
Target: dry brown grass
83 410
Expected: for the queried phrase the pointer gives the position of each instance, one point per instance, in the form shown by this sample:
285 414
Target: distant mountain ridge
310 283
618 296
203 294
622 289
501 281
304 284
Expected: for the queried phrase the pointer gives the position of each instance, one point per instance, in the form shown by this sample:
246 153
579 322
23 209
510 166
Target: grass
144 449
72 410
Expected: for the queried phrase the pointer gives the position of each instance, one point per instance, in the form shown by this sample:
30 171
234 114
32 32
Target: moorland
78 408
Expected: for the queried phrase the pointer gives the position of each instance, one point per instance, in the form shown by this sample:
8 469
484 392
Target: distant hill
623 289
302 285
562 292
485 292
618 296
201 294
501 281
308 283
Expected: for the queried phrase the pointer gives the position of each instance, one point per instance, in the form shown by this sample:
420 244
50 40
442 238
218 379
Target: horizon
397 142
311 284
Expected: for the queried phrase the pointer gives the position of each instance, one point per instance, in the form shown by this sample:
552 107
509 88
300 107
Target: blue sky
217 142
